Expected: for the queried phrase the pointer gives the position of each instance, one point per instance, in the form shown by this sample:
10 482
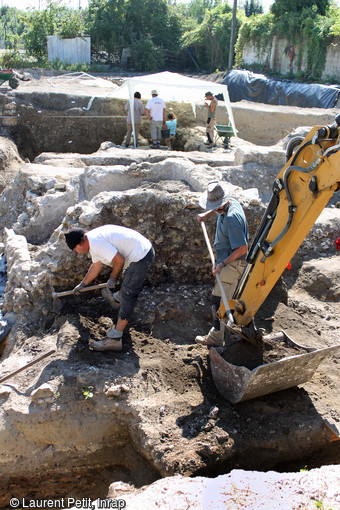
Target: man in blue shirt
231 246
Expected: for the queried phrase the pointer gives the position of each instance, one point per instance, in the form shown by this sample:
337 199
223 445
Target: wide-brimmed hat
74 237
217 195
154 92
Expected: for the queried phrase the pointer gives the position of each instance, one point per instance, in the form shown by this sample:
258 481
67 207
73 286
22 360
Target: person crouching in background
171 124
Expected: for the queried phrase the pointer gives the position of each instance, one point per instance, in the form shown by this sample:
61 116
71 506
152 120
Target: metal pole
27 366
230 319
232 36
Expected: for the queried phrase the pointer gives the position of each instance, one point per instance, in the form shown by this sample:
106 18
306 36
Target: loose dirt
194 422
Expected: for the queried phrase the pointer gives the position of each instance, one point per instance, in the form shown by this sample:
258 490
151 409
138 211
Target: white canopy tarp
172 87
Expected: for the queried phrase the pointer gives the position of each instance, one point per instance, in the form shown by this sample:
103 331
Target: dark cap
208 94
74 237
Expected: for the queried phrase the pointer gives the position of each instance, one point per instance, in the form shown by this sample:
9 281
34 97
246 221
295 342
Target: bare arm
204 216
118 262
147 113
93 272
212 105
236 254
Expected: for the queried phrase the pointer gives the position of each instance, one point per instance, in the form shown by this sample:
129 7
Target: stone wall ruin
153 411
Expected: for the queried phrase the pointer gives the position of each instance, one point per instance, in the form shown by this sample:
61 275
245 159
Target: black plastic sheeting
256 87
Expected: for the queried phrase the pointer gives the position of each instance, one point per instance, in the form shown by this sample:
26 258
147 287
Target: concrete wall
72 51
278 56
332 67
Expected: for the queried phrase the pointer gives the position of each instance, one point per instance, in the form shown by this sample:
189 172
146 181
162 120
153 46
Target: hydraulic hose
291 206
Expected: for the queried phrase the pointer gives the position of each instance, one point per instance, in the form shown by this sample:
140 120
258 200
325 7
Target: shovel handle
85 289
224 297
27 365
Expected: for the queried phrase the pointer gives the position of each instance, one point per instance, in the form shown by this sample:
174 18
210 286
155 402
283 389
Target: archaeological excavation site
79 423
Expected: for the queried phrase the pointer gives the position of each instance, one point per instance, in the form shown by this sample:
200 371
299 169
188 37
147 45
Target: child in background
171 124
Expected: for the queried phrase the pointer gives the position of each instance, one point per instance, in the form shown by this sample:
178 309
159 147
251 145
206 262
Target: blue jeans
133 283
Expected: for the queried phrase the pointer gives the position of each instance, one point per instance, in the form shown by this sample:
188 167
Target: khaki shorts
155 129
209 128
230 276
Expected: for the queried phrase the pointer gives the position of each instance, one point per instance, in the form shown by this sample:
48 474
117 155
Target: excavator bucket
238 383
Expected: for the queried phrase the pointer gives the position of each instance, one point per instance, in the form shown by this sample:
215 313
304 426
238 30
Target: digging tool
85 289
230 319
238 383
27 365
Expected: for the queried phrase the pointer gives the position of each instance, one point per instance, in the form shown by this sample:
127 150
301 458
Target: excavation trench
80 420
153 410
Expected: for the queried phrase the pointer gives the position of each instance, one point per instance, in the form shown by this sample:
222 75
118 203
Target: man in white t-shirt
122 249
155 112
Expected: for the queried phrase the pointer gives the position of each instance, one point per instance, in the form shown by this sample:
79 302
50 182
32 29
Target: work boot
112 342
111 298
116 297
215 338
107 344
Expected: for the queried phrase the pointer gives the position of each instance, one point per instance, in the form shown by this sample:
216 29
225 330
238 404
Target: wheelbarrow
10 76
224 133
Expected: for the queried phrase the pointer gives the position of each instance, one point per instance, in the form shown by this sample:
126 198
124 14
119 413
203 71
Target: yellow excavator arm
301 191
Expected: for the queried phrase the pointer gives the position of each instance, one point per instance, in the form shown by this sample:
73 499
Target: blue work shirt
231 231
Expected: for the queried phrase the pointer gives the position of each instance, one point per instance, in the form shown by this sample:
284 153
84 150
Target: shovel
230 319
70 292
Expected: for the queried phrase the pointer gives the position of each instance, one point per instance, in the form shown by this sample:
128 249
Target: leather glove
78 288
111 283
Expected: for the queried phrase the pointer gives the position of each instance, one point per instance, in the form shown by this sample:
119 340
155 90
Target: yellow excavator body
301 191
309 180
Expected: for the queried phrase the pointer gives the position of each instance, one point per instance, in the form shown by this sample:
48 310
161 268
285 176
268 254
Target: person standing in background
210 125
138 112
155 112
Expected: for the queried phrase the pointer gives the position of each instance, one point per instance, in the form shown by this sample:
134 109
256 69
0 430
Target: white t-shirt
107 240
156 106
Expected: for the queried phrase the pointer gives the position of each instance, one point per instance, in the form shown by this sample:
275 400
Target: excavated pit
80 420
284 429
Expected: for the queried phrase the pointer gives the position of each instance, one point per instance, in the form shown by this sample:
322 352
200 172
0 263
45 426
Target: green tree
210 40
73 23
36 33
282 8
253 7
106 26
54 20
146 55
198 8
153 18
11 26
